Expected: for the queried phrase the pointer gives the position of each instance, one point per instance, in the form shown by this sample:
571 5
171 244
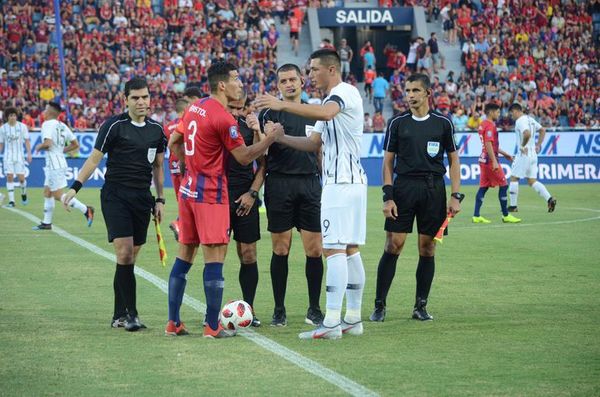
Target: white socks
336 281
513 193
10 186
24 187
541 190
354 289
48 209
75 204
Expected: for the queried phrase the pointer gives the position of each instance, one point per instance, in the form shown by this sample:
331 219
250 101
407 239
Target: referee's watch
160 200
458 196
253 194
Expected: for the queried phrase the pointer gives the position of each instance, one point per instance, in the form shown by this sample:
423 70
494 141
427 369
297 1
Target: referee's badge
233 132
433 148
151 154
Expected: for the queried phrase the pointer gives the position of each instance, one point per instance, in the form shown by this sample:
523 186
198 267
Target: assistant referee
135 145
415 143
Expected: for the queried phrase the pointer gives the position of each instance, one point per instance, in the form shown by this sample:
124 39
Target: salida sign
330 17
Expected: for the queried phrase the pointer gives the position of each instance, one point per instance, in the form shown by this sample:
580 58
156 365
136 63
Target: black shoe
279 317
551 204
118 322
513 208
255 322
133 323
24 199
11 204
314 316
379 312
420 311
43 226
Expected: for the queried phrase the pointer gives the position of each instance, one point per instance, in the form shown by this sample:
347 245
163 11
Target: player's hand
538 148
159 209
509 158
29 158
390 210
274 130
268 101
495 165
245 203
38 147
524 150
252 122
453 206
67 197
182 167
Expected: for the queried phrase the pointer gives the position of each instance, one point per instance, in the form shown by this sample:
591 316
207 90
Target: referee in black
135 145
415 143
244 182
293 199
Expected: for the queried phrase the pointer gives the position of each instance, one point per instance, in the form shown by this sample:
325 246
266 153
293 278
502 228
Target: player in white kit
338 132
525 164
13 135
55 135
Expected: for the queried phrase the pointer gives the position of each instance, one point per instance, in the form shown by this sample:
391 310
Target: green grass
516 313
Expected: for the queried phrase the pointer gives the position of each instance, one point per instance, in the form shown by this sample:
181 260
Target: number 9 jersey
210 132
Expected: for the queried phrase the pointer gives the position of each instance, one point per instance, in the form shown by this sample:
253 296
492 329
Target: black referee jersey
282 159
131 149
419 143
237 174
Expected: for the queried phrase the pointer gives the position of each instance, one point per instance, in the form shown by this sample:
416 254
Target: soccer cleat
480 219
118 322
551 204
420 311
11 204
89 215
133 323
42 226
379 312
279 317
175 330
314 316
174 226
510 219
323 332
352 328
218 333
255 322
24 200
513 208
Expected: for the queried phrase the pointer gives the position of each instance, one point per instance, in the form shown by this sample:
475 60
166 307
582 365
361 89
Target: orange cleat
220 332
174 330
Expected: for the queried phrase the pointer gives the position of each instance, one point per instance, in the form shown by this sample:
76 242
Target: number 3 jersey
209 134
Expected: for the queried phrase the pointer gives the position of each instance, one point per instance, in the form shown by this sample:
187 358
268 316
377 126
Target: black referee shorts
246 229
420 197
293 201
126 212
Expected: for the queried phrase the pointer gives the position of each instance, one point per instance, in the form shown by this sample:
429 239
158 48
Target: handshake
273 131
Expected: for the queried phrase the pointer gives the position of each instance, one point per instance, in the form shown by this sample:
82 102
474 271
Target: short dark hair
219 71
136 83
10 110
490 107
288 67
180 105
515 106
55 106
193 91
327 57
420 77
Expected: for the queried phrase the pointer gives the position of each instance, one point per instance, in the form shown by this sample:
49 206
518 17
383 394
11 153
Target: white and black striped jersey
342 137
13 138
60 135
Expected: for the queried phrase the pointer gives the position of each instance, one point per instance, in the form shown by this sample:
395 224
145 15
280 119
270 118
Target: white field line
342 382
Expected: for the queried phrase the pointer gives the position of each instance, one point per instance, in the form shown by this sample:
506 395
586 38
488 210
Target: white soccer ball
236 314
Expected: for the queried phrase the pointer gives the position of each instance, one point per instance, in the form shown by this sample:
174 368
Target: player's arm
176 146
389 205
325 112
305 144
246 154
84 174
246 200
158 175
27 148
526 137
73 145
492 156
454 203
506 155
45 145
541 136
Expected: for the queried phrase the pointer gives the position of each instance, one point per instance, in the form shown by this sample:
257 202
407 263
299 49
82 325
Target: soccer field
516 307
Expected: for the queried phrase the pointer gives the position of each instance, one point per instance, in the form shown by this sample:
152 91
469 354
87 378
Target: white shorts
343 215
14 168
525 167
55 179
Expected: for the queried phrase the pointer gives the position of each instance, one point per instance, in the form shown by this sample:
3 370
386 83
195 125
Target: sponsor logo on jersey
233 132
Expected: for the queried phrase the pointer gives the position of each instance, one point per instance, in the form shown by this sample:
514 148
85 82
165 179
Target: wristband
76 185
160 200
253 194
388 192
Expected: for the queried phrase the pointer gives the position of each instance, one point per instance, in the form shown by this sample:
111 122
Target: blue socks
479 200
177 281
503 199
213 290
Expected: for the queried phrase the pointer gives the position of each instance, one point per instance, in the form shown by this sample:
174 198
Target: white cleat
352 328
323 332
